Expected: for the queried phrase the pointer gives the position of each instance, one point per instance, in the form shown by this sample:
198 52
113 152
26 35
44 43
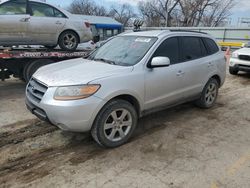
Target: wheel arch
217 77
71 30
131 99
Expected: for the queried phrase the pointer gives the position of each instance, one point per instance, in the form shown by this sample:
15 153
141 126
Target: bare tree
185 12
122 13
87 7
218 13
161 9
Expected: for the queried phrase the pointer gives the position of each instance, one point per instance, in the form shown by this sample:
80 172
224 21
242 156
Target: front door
13 22
164 85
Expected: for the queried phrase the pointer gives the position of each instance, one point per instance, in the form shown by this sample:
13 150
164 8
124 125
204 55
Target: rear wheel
233 71
68 40
209 94
114 124
34 66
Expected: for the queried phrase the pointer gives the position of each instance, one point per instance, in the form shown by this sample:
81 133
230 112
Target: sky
242 8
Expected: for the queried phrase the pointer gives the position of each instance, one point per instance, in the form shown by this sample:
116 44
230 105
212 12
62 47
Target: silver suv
131 75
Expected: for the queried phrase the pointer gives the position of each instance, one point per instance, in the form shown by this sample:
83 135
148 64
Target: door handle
24 19
210 64
180 73
59 23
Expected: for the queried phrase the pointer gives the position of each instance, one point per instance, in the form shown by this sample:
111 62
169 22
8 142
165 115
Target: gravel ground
179 147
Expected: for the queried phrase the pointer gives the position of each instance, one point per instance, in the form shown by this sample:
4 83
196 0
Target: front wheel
114 124
233 71
68 41
209 94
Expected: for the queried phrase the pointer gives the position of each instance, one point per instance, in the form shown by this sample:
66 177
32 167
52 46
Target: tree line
155 13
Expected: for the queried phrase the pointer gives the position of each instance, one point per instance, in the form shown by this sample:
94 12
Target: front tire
209 94
114 124
68 41
233 71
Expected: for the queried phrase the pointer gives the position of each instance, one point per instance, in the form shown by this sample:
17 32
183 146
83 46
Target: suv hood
77 72
243 51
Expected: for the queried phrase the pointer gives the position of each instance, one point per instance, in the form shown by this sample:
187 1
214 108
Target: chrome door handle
180 73
25 20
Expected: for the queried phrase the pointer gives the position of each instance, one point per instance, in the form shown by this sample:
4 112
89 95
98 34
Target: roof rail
184 30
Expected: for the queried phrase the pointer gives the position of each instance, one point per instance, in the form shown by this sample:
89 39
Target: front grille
244 57
36 90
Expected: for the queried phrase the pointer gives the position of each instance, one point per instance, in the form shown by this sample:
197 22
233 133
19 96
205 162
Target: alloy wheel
70 41
211 93
118 125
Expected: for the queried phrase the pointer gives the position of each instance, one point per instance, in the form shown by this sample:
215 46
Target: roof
103 21
162 33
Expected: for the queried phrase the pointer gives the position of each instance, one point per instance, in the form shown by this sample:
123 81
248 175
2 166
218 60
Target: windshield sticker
142 40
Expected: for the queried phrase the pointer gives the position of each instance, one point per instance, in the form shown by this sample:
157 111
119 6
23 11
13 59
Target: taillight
87 24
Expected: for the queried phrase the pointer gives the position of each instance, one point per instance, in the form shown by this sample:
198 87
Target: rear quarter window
211 46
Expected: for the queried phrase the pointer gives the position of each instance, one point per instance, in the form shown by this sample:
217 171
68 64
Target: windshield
123 50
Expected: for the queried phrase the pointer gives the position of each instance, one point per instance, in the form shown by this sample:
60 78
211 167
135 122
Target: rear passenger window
192 48
211 46
169 48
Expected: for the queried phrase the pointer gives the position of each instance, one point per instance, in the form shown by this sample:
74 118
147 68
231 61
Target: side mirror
159 62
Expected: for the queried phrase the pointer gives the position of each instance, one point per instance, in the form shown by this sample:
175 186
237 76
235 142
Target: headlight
235 55
75 92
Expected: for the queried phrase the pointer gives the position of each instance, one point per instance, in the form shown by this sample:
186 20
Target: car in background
34 22
240 60
128 77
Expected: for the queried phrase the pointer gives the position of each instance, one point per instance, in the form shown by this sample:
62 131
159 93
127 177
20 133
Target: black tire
100 133
233 71
66 44
50 47
208 96
25 71
34 66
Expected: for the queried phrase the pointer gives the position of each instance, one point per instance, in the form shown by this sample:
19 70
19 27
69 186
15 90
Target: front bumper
240 65
76 116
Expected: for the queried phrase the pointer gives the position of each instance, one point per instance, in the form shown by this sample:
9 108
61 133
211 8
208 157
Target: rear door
195 65
45 24
13 22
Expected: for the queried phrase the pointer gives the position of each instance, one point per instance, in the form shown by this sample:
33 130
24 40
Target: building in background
104 27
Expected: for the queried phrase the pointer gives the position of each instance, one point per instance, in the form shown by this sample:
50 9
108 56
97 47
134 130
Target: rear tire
233 71
209 94
68 41
114 124
34 66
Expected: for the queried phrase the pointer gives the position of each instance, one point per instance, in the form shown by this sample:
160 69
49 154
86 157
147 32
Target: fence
224 35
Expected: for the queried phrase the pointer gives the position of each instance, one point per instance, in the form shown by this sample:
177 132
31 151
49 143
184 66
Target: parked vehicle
37 23
131 75
240 61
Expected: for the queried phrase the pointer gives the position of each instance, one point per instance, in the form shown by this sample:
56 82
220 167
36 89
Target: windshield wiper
105 61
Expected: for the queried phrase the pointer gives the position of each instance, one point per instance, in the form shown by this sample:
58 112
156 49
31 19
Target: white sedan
37 23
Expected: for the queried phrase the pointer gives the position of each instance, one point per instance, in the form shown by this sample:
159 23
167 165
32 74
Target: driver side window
169 48
14 7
